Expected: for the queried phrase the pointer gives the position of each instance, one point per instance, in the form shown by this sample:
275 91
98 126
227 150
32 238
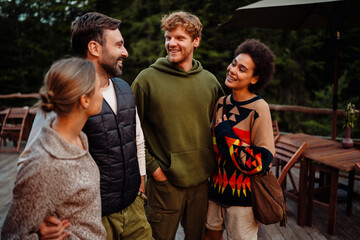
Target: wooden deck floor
7 178
346 227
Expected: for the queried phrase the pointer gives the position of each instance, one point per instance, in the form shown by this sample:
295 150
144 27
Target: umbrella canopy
296 14
334 15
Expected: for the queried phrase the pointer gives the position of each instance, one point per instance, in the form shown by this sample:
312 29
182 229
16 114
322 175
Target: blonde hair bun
65 82
47 104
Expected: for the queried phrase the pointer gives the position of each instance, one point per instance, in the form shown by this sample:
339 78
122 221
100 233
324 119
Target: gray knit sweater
57 178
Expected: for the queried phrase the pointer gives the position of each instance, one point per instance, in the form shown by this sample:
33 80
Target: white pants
239 222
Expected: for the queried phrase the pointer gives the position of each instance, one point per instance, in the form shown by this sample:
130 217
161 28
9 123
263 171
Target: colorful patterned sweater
243 145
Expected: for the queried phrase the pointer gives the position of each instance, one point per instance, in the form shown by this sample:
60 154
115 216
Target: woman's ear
254 80
84 101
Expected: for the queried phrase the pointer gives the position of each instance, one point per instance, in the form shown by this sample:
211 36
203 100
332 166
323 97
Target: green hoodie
175 109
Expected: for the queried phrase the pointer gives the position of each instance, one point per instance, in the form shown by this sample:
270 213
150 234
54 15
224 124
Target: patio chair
13 126
276 138
357 168
275 128
287 154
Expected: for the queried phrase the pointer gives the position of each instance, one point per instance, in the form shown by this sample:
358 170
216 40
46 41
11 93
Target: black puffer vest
112 144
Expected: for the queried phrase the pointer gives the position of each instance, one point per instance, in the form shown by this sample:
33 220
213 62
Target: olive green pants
167 205
128 224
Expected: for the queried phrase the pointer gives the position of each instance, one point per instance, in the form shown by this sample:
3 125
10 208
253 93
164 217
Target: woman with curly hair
59 176
243 143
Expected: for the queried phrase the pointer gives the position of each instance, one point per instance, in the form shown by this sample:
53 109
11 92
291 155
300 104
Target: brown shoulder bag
267 199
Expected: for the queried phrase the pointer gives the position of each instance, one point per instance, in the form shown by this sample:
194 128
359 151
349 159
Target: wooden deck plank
263 233
314 233
274 232
347 223
7 177
298 230
287 232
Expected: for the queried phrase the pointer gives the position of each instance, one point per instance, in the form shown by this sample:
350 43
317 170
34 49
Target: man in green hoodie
175 97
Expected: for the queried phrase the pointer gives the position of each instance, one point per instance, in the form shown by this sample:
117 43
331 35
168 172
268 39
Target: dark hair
90 26
64 84
263 58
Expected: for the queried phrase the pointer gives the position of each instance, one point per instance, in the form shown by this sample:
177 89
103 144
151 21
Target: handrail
275 107
20 95
294 108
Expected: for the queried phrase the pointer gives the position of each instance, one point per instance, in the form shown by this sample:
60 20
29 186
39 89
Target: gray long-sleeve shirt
57 178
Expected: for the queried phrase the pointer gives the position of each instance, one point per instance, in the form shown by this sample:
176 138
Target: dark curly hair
263 58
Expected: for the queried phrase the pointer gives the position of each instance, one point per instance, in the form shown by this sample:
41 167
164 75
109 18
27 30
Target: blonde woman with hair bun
59 177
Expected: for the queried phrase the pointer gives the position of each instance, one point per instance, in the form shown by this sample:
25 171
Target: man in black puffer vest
112 134
116 141
112 144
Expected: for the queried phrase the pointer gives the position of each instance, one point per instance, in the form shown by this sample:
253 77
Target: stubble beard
112 69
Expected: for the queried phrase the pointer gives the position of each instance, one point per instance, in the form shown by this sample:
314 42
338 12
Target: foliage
37 33
351 115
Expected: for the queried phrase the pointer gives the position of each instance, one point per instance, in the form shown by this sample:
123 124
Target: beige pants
239 222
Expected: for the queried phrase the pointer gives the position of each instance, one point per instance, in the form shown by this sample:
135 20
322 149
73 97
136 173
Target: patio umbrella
334 15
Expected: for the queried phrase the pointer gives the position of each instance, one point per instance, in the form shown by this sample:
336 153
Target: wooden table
330 156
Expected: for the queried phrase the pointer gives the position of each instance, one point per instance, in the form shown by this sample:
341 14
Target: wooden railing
310 110
20 95
275 107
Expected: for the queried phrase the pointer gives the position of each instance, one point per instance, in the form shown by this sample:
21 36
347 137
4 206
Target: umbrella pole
335 89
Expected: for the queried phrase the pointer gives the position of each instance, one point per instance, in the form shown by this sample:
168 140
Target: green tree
37 33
